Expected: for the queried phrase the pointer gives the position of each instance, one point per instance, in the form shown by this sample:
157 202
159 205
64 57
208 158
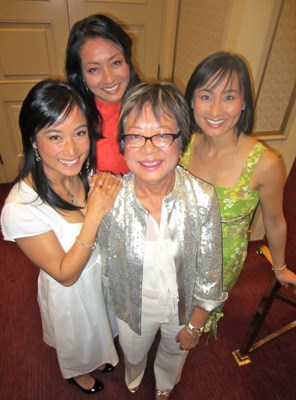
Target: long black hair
213 69
92 27
45 103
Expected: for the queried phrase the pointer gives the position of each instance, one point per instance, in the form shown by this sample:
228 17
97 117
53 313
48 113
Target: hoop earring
37 155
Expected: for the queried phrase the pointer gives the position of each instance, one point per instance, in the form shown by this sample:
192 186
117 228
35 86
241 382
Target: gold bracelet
278 269
86 245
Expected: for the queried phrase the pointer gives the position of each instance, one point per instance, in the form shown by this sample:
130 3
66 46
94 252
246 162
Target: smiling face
151 165
217 109
104 69
64 146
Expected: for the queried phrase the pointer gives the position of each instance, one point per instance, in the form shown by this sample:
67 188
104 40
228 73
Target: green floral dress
237 206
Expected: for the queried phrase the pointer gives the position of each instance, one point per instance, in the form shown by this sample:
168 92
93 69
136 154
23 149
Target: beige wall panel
13 111
33 37
52 13
280 74
35 51
249 31
201 31
11 99
137 33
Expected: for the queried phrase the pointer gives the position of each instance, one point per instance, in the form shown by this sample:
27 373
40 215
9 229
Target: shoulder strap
252 160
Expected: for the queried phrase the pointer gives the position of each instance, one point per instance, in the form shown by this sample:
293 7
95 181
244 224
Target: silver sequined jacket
195 229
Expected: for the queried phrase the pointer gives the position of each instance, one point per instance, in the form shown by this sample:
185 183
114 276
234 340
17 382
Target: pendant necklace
72 197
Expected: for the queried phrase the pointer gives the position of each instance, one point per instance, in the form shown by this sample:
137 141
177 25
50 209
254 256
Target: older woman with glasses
161 243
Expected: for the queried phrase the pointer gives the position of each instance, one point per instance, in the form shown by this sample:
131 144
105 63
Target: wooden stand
241 355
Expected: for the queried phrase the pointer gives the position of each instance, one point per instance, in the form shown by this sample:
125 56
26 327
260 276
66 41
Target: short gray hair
165 99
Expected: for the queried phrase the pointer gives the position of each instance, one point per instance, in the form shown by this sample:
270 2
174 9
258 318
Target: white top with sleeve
74 318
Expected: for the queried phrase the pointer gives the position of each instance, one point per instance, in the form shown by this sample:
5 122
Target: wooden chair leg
242 355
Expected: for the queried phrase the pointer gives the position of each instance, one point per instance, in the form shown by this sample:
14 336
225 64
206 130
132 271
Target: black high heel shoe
108 368
98 385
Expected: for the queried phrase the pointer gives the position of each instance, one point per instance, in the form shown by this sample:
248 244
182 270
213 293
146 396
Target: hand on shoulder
102 195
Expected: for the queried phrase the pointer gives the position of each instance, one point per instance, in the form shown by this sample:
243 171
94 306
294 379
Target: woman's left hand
187 342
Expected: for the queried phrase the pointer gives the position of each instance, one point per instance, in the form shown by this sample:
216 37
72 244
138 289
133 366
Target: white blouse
159 273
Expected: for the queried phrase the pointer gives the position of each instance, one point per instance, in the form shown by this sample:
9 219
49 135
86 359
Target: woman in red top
98 61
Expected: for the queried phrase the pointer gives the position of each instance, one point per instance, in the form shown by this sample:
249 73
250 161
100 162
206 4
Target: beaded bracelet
278 269
86 245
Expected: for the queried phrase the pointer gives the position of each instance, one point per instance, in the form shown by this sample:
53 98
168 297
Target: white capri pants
169 361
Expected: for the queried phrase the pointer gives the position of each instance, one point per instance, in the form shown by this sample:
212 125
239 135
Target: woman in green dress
242 170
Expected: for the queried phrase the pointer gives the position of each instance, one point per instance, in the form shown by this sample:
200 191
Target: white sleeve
22 220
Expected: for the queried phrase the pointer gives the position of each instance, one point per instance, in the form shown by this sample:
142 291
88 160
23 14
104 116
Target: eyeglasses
161 140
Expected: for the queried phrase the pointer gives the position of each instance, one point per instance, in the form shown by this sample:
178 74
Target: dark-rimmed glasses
161 140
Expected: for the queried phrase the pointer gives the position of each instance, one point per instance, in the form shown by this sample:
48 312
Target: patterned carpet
29 369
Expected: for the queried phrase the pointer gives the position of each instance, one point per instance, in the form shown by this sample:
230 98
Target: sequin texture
195 230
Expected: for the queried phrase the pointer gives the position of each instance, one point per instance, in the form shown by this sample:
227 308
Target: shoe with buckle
97 386
108 368
162 394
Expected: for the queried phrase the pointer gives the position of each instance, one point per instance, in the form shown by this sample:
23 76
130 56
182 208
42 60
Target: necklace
72 197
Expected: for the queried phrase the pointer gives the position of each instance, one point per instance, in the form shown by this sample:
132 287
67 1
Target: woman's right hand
104 188
187 342
286 278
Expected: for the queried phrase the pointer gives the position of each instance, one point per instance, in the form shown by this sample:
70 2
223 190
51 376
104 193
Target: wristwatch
195 330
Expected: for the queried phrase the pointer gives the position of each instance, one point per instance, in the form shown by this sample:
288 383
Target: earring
86 87
37 155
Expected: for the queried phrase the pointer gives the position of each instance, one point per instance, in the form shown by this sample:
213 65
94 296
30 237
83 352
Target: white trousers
169 360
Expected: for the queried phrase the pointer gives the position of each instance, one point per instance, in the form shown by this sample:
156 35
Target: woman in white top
53 216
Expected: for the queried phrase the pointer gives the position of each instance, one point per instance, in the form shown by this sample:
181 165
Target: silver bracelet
278 269
86 245
192 334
